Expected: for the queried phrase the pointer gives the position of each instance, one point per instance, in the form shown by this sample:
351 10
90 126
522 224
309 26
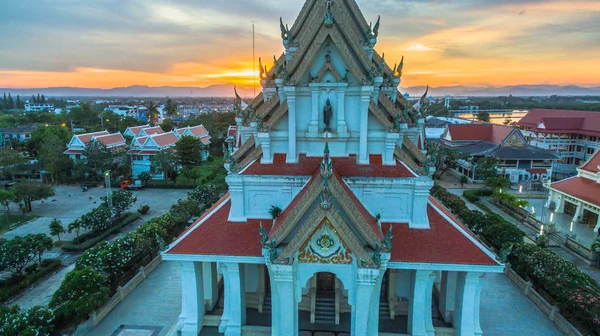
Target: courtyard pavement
156 303
68 204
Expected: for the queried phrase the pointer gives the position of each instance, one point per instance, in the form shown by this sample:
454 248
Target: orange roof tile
562 121
85 138
479 132
580 187
593 164
111 139
165 139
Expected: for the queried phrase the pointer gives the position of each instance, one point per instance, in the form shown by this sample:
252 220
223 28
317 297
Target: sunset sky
114 43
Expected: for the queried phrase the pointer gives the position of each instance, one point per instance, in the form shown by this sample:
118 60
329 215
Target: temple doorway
324 306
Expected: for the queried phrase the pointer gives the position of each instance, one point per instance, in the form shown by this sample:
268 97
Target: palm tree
152 112
170 108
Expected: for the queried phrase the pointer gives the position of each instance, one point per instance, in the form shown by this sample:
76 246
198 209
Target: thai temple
328 227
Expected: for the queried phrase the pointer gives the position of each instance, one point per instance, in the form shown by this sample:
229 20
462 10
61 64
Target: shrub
15 285
90 239
81 292
275 211
471 196
144 209
205 194
33 321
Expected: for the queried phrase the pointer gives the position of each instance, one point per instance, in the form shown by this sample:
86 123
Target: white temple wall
394 199
262 192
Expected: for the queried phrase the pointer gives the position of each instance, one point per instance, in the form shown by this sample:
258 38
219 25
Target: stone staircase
325 308
267 304
557 238
384 310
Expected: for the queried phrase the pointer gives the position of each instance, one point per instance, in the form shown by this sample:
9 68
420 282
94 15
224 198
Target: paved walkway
70 203
157 303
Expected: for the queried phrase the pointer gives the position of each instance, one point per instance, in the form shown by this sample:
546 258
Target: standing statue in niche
327 114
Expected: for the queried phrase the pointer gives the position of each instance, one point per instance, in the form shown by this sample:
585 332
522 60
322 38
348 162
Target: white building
78 142
327 141
579 197
30 107
148 141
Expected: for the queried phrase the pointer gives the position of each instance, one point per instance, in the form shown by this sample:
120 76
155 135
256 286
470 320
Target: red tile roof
137 129
479 132
593 164
85 138
111 139
217 236
306 166
165 139
443 243
562 121
538 171
153 130
580 187
205 140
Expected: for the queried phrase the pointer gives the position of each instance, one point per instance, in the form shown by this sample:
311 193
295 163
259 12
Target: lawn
206 167
13 220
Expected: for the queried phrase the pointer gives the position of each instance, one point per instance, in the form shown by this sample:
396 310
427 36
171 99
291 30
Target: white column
237 299
192 299
313 127
292 155
226 298
467 304
597 225
578 213
391 139
265 143
428 304
342 129
560 204
365 100
447 295
286 315
211 286
416 307
361 310
374 310
419 219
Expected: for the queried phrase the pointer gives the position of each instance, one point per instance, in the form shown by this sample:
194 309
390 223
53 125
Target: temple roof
580 187
562 121
446 242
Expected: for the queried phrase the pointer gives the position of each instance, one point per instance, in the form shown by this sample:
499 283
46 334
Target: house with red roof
78 142
143 148
328 225
134 131
517 160
573 135
579 198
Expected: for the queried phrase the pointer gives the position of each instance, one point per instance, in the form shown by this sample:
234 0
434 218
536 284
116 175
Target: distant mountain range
226 90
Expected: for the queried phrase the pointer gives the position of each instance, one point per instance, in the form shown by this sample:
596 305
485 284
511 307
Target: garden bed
90 239
12 287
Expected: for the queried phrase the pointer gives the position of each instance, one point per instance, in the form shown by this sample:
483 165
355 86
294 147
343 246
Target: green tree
170 108
18 102
486 167
80 293
84 114
497 182
16 254
167 125
189 151
9 161
34 145
98 159
76 226
35 321
98 219
56 228
6 197
51 152
27 192
122 200
40 243
145 177
483 116
463 180
164 162
447 158
11 102
152 113
438 110
192 173
206 195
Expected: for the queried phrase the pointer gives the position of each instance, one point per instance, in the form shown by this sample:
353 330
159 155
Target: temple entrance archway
324 306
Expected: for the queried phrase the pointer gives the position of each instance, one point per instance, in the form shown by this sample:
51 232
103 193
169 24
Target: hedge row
106 266
559 280
90 239
473 195
15 285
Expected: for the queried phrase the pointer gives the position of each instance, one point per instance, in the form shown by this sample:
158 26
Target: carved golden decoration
342 255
